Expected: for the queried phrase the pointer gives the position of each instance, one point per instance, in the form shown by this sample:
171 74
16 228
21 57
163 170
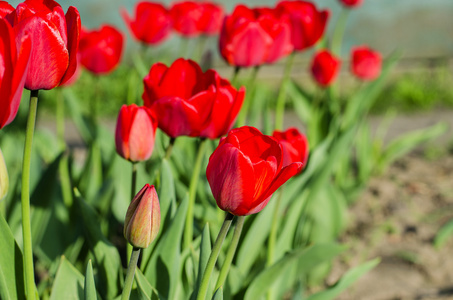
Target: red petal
73 33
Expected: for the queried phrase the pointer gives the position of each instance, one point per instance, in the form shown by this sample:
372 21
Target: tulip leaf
82 124
90 181
68 282
106 255
89 287
443 235
145 289
306 259
218 295
346 280
11 265
300 100
205 252
164 267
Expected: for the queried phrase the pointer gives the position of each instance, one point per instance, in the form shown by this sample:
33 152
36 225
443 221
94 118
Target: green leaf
443 235
90 181
74 109
164 268
106 255
300 100
11 265
218 295
90 287
68 282
307 259
205 252
346 280
145 289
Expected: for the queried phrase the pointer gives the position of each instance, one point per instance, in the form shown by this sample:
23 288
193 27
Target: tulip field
208 186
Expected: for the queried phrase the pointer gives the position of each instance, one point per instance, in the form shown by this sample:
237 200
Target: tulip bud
143 218
325 68
4 180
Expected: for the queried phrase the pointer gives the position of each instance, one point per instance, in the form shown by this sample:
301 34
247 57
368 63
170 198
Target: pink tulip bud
142 221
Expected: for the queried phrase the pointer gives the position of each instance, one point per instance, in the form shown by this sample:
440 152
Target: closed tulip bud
5 9
55 40
246 169
4 180
366 64
135 132
100 50
142 221
325 68
351 3
294 145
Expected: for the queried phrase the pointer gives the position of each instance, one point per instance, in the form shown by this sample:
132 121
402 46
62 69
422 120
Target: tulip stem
169 148
188 230
273 233
230 254
25 196
130 274
60 118
235 76
213 257
280 108
133 185
249 97
337 36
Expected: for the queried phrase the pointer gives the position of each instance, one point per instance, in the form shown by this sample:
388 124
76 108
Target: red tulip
5 9
186 18
13 71
351 3
135 133
100 50
152 23
294 145
325 67
211 19
307 23
366 63
55 40
142 221
189 102
251 37
246 169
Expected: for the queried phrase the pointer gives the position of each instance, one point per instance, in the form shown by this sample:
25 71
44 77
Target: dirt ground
397 219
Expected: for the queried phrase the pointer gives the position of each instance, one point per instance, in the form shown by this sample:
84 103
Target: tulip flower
152 23
245 170
142 221
366 64
13 71
307 23
188 101
186 18
351 3
294 145
135 133
100 50
4 179
55 40
5 9
252 37
211 18
325 67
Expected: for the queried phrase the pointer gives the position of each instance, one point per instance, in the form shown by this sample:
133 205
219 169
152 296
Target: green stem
60 118
248 99
169 148
280 108
133 185
230 254
273 233
213 257
188 230
235 76
202 40
25 197
337 36
130 274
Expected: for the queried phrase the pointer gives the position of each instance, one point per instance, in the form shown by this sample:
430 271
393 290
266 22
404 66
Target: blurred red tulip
189 102
100 50
5 9
55 40
325 67
366 63
211 18
13 71
251 37
294 145
245 170
135 133
186 18
152 23
351 3
307 23
142 221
